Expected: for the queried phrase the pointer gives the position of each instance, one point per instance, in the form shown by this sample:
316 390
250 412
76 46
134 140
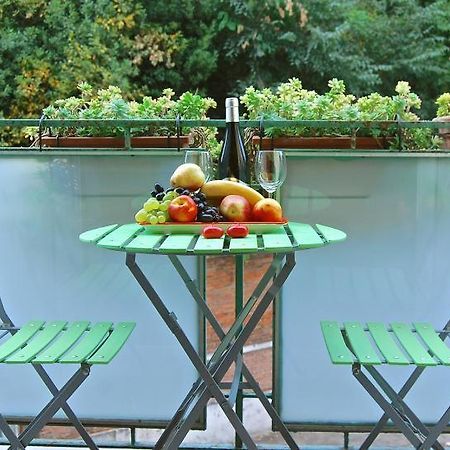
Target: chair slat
120 236
89 343
337 349
113 344
305 235
97 234
19 339
242 245
277 241
412 346
176 243
360 344
209 245
62 344
331 234
144 243
386 344
434 342
40 341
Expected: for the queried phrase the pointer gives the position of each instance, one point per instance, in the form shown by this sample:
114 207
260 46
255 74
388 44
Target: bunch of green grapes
155 210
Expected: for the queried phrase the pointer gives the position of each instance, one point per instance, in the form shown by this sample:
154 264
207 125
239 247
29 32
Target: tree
367 43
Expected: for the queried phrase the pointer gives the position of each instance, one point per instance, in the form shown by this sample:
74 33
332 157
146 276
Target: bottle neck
232 114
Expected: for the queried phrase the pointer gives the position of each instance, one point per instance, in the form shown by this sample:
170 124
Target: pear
188 176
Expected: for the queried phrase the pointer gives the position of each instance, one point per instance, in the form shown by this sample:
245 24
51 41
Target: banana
216 190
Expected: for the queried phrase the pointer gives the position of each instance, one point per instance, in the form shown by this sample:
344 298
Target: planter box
325 142
444 133
117 142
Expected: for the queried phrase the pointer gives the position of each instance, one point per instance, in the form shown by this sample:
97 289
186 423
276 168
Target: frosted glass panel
394 266
45 272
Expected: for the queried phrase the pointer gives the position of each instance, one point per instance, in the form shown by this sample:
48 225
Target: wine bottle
233 158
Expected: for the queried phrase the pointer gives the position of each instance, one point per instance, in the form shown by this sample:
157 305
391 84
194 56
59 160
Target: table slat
305 235
242 245
209 246
120 236
175 243
331 234
135 238
277 241
97 234
144 243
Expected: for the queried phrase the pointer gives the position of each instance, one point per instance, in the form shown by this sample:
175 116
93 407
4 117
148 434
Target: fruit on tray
206 213
267 210
188 176
183 209
237 230
212 232
217 190
235 208
233 201
155 208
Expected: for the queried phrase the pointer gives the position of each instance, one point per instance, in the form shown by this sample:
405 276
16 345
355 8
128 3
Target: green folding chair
57 342
364 347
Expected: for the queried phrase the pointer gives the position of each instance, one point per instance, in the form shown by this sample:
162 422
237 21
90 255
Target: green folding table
282 243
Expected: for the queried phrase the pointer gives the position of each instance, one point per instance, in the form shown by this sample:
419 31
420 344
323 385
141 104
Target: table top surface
134 238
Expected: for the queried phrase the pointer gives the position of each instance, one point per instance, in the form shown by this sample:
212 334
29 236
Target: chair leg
402 407
53 406
9 434
402 394
436 431
386 406
384 419
66 408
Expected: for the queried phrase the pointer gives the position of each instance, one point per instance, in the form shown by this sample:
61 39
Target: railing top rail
280 123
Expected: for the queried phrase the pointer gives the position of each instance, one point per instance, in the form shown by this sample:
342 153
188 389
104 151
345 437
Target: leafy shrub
443 103
291 101
110 104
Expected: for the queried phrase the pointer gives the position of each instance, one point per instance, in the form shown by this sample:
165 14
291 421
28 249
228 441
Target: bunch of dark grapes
206 213
161 194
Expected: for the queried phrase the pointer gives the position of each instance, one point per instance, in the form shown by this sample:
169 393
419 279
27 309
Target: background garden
219 48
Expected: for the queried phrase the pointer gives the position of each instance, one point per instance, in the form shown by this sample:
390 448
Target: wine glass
270 169
202 158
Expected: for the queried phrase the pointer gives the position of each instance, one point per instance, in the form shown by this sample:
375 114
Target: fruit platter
211 208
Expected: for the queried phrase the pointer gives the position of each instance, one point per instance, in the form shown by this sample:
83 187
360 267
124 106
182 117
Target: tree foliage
369 44
218 47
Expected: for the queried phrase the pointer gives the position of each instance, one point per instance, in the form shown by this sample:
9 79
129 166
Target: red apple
182 209
235 208
267 210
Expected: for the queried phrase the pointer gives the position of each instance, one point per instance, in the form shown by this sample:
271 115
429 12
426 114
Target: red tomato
237 231
212 232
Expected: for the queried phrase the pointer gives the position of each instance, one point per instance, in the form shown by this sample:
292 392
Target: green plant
110 104
291 101
443 103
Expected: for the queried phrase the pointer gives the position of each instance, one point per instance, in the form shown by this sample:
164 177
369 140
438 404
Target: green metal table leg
238 305
251 382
